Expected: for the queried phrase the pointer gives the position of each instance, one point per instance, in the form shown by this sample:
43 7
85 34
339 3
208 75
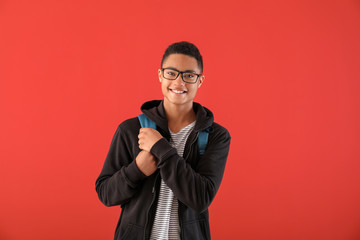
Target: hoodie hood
155 111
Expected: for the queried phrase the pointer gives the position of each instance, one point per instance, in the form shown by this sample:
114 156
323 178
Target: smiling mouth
177 91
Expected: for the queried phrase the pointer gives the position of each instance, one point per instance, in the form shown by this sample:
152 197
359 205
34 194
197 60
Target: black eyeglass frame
182 76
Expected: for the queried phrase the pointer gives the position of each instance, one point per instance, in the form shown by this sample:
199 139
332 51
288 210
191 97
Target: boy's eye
170 73
189 75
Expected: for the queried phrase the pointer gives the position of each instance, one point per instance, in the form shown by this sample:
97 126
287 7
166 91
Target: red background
282 76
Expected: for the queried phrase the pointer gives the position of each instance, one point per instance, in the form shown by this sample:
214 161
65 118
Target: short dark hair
184 48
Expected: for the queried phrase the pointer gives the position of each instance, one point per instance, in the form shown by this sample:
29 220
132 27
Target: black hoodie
194 180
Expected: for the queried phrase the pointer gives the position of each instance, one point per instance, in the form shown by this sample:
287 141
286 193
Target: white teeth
176 91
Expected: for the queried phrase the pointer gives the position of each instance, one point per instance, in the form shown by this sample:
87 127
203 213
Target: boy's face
177 91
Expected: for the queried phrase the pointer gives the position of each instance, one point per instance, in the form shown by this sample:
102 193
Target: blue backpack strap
202 141
145 122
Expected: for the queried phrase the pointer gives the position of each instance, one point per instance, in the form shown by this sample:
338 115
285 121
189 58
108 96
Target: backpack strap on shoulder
202 141
145 122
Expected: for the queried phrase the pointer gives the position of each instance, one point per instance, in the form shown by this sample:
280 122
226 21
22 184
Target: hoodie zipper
153 191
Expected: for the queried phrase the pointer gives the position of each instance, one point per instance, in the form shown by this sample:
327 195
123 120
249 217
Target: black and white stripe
166 224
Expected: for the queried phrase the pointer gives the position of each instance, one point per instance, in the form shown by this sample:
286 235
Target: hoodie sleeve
120 177
194 188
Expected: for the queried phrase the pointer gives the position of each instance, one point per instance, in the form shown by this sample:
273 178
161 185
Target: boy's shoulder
130 124
219 130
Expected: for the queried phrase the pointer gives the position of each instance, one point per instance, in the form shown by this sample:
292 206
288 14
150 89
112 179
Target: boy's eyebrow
172 68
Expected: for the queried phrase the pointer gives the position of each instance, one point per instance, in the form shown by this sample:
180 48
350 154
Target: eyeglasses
172 74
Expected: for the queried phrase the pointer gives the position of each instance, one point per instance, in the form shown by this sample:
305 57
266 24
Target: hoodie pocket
197 230
133 232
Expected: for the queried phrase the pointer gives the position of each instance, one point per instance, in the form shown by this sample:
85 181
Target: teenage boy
160 178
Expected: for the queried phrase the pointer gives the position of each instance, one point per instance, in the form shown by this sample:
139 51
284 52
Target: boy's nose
179 79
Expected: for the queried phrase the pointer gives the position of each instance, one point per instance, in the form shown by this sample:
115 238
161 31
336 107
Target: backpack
145 122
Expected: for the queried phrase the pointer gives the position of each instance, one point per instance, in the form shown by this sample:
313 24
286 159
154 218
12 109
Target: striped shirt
166 224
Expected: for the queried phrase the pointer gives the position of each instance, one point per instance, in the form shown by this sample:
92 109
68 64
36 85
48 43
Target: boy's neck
179 116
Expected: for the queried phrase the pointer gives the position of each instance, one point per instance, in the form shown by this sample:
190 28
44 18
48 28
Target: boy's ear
159 74
201 80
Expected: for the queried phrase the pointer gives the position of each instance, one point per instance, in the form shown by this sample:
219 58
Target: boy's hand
146 162
147 138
